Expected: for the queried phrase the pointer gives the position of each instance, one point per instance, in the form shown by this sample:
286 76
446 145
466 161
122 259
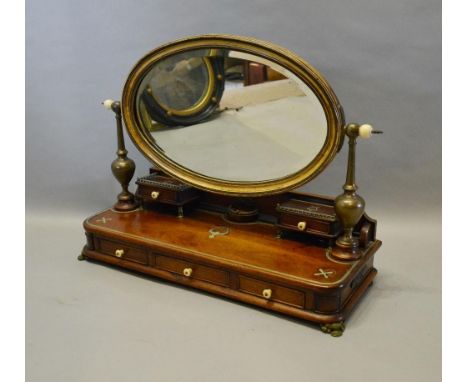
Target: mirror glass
230 115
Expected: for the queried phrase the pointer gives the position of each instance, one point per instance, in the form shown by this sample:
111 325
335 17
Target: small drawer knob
188 272
301 226
267 293
119 252
154 195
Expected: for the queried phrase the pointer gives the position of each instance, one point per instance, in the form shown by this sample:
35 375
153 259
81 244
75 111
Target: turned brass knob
267 293
301 226
119 252
154 195
188 272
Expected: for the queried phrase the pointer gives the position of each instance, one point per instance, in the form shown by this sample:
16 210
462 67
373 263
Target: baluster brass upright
123 167
349 206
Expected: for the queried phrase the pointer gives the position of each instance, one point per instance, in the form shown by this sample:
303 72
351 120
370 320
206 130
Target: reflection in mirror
230 115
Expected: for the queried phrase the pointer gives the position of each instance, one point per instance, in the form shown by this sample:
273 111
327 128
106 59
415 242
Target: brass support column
122 167
349 206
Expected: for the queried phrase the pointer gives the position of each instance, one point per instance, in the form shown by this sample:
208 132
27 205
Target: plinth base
247 264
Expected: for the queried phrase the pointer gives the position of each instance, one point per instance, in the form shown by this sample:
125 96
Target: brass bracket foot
81 257
335 329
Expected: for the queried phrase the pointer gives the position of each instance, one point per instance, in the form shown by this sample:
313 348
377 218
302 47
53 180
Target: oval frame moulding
290 61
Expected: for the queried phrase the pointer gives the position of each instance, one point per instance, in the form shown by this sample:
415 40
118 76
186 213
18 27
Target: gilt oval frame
283 57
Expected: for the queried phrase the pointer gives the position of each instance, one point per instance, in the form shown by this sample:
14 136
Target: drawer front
310 225
123 251
192 270
152 194
272 291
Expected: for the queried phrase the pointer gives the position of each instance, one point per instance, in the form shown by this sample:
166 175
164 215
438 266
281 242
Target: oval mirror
232 115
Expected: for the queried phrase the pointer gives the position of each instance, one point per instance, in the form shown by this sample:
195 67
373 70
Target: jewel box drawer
301 223
159 188
314 218
272 292
122 251
191 270
157 195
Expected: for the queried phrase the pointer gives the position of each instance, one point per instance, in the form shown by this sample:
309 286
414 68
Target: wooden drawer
314 218
157 195
192 270
122 251
272 291
309 224
163 189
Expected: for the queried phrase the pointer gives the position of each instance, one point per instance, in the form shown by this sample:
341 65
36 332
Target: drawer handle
267 293
119 252
301 226
188 272
154 195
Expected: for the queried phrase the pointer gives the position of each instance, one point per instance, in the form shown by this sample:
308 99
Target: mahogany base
247 262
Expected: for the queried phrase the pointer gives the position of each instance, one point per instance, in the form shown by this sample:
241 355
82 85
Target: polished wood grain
199 272
130 253
278 293
303 280
251 246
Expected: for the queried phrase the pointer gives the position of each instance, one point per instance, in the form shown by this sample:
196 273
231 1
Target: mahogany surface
240 265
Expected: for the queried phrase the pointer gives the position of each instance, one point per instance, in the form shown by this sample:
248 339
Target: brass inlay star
104 220
323 273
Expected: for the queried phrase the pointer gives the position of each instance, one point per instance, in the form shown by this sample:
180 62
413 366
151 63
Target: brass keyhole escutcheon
267 293
188 272
302 226
119 252
154 195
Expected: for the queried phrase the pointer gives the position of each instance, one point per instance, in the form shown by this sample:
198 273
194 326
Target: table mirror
232 116
230 126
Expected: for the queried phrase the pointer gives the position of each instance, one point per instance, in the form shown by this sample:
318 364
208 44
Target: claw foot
335 329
